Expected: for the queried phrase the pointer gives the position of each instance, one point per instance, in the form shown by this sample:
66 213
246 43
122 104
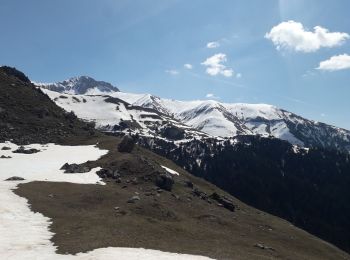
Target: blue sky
142 46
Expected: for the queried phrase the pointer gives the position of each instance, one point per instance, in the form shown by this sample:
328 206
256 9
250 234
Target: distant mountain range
80 85
270 158
146 114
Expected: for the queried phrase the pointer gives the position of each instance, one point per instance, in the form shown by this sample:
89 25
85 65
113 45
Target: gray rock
105 173
200 194
175 196
5 148
133 199
116 175
261 246
165 181
23 150
135 181
74 168
222 200
15 178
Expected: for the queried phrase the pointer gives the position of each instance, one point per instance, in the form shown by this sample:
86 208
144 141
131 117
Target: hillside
27 115
308 187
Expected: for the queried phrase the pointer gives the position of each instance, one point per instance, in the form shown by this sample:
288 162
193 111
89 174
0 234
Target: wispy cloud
293 35
211 96
172 72
216 67
340 62
309 73
188 66
213 45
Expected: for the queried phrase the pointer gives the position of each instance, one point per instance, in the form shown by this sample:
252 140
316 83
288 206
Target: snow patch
170 170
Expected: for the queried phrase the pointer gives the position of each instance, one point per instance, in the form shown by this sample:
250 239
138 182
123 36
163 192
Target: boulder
225 202
23 150
200 194
165 181
126 145
261 246
74 168
15 178
108 173
116 175
5 148
133 199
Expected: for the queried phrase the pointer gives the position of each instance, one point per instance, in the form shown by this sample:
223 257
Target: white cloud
340 62
293 35
215 67
188 66
213 45
212 96
172 72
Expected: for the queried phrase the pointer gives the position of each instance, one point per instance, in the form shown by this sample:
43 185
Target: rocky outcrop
126 145
165 181
74 168
24 150
224 201
15 178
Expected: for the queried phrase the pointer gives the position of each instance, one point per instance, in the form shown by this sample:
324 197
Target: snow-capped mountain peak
149 114
80 85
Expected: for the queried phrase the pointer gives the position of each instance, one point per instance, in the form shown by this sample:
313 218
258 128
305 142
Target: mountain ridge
225 120
80 85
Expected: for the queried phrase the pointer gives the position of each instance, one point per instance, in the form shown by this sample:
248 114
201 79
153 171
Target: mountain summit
209 117
80 85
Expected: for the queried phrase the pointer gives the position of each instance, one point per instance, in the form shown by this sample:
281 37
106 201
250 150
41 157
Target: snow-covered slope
220 119
80 85
225 120
110 113
150 113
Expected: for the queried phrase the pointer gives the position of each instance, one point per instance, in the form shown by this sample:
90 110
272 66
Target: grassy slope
84 217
